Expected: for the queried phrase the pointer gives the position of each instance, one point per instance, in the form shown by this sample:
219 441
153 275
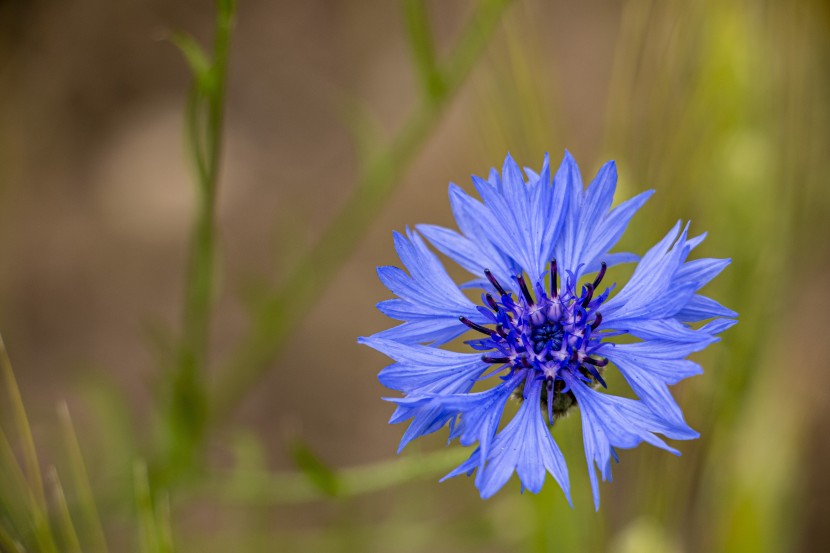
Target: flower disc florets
543 337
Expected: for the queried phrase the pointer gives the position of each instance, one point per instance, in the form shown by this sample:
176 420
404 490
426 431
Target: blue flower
538 248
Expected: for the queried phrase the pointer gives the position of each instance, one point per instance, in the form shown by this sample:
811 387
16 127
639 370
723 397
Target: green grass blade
70 536
258 487
155 535
86 499
21 421
423 49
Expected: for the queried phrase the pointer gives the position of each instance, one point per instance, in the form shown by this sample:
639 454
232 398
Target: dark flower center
545 336
548 335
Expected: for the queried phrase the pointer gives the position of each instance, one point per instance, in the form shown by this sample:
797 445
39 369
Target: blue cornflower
539 249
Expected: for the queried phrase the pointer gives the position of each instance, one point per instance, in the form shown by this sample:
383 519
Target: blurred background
337 118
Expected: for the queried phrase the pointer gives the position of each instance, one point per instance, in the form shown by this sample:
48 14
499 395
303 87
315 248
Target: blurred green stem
155 534
423 49
271 488
84 495
21 421
32 493
276 318
204 143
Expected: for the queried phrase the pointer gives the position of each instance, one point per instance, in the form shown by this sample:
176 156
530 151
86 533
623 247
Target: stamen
596 362
595 374
554 280
550 400
491 302
589 293
478 327
537 332
525 291
494 282
601 274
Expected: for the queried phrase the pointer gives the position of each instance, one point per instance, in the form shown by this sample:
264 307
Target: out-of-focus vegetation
719 105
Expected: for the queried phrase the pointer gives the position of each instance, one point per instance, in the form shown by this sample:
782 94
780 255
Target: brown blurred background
96 200
97 196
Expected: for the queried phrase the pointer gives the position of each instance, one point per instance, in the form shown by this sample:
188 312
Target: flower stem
204 126
274 488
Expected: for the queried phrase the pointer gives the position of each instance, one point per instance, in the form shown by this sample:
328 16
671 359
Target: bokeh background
721 106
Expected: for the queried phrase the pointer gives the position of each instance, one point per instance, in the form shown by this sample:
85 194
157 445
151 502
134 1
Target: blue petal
478 225
596 203
664 348
426 371
479 413
428 300
701 271
590 229
474 256
422 369
608 230
610 259
425 420
664 285
649 377
700 308
718 325
614 422
568 177
435 331
532 175
658 329
652 291
525 446
512 231
428 274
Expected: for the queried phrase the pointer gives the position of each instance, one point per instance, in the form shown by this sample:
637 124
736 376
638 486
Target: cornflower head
539 251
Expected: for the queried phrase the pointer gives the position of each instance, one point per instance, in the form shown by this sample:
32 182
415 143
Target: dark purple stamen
595 374
494 282
589 293
550 399
554 280
525 291
478 327
491 302
601 274
596 362
534 329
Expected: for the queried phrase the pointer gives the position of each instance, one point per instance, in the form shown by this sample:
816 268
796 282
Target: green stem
423 49
200 275
204 140
276 318
30 482
272 488
84 495
21 421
